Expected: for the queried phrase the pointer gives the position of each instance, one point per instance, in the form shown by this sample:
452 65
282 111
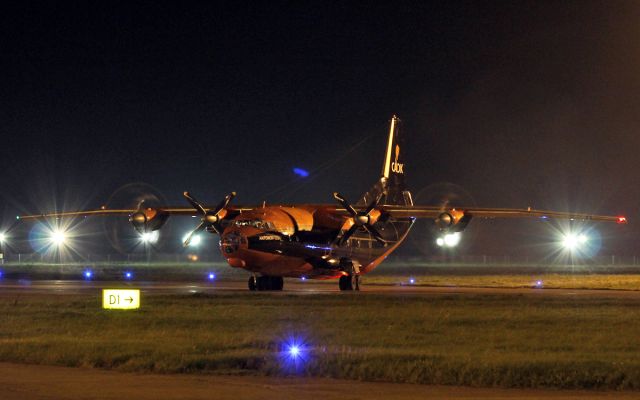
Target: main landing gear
351 281
266 283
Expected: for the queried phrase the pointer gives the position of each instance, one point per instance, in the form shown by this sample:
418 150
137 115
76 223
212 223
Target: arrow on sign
130 299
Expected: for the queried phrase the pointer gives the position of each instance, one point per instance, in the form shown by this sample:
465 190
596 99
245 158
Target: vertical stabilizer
392 181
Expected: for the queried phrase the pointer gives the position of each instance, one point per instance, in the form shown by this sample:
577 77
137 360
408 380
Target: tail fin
392 182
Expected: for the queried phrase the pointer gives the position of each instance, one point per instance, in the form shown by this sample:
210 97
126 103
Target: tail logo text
396 166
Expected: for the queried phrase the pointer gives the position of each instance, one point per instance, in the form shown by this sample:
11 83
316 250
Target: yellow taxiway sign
121 299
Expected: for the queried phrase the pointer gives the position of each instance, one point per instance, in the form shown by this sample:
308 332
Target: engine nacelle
453 221
148 220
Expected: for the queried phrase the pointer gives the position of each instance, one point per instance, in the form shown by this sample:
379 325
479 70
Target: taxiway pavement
292 286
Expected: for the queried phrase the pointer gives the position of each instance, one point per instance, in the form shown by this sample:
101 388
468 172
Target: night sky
515 104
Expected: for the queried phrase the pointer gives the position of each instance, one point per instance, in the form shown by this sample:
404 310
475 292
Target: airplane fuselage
300 241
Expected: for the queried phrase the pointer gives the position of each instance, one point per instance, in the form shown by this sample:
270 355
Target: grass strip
476 340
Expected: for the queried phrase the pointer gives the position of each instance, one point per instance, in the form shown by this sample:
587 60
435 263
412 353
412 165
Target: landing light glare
58 237
573 241
449 240
149 237
195 240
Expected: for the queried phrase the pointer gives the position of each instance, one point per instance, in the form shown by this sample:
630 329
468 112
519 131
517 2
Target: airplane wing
185 211
491 213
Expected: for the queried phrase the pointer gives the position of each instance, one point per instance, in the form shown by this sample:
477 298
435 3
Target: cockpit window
256 223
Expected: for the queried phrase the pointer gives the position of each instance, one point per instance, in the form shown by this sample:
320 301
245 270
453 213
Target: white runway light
58 237
149 237
452 239
573 242
449 240
195 240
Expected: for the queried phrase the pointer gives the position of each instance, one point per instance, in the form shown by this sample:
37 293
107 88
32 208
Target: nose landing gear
350 281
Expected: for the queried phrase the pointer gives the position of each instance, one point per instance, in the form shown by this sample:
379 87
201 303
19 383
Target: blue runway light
294 353
301 172
412 281
0 274
211 276
539 284
304 278
88 274
128 275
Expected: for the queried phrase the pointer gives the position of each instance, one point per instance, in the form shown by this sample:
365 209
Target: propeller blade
373 204
345 203
348 234
224 203
193 232
213 228
195 203
140 203
373 231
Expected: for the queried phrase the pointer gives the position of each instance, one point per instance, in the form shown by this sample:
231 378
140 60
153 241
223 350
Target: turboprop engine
452 221
148 220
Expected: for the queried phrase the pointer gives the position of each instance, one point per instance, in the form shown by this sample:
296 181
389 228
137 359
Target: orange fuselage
298 241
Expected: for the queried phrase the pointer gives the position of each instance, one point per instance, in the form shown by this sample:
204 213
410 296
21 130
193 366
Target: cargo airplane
321 241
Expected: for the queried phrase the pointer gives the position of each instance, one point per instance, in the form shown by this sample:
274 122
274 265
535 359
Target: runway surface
293 286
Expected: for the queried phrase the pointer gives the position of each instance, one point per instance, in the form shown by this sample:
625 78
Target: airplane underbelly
270 264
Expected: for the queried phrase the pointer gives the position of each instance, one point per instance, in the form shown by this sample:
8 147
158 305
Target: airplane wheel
262 283
269 283
252 283
345 282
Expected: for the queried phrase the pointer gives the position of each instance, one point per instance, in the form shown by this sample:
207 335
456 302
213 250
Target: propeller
209 218
361 220
139 219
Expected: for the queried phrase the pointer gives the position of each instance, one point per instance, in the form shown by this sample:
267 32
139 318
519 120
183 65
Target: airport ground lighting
195 240
449 240
58 237
149 237
573 242
3 238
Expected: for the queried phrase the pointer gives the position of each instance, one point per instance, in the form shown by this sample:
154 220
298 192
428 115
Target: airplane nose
231 242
